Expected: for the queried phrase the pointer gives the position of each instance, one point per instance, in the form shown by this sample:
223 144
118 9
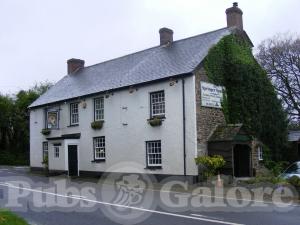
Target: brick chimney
234 16
74 65
166 36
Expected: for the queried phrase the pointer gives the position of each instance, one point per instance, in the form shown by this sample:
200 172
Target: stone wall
257 165
207 118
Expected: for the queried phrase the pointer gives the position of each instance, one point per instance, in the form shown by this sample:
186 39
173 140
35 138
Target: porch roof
229 132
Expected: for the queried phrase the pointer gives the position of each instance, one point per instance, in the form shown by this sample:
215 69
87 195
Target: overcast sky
38 36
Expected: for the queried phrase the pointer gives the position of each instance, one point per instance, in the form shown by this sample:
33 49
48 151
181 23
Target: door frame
67 143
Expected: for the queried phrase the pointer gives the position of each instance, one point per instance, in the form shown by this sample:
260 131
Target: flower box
156 121
46 131
97 125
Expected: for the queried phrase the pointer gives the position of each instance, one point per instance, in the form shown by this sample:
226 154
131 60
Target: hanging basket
97 125
154 122
46 131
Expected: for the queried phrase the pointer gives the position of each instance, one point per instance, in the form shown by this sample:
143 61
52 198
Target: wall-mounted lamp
107 94
83 104
173 82
132 89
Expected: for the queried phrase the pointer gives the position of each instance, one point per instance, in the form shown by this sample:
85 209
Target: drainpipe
184 134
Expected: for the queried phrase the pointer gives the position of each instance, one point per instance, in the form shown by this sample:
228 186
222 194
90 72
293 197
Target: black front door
241 161
73 160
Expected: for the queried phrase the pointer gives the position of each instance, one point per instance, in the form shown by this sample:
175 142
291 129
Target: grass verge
9 218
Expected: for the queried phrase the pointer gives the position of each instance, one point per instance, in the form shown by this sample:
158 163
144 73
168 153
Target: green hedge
7 158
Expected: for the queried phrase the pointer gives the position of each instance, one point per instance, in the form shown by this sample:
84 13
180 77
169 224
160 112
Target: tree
6 128
14 124
250 96
280 57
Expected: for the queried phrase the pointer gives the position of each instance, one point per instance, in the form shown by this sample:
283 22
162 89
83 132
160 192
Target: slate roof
156 63
294 135
225 132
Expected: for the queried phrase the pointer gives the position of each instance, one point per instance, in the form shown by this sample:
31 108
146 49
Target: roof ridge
183 39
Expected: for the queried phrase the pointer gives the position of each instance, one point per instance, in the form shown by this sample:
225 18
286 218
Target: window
56 151
74 116
260 153
52 120
45 149
153 153
99 148
99 109
157 103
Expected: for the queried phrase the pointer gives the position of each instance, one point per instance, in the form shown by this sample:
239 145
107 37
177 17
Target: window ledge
153 168
98 161
73 125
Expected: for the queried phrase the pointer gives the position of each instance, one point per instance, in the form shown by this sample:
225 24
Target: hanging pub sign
52 119
211 95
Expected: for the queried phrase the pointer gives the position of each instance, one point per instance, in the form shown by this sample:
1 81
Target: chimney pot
74 65
234 16
166 36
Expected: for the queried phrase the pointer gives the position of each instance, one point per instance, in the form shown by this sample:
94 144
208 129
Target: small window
157 103
153 153
74 116
52 120
45 149
260 153
99 148
56 151
99 109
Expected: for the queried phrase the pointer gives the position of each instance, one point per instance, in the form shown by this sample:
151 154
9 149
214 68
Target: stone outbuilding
241 151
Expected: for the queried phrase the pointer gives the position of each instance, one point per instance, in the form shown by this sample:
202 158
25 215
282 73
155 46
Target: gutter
142 84
184 128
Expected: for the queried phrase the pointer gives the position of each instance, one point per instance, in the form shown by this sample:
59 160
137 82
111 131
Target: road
42 204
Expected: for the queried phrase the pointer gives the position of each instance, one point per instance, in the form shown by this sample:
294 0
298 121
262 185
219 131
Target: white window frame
99 109
154 154
157 103
260 153
74 113
45 149
56 151
99 148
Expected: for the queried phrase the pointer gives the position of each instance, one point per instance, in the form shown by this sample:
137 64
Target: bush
295 181
45 162
212 164
276 167
267 179
7 158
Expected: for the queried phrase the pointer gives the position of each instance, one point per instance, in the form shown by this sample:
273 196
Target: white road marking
210 217
79 196
124 206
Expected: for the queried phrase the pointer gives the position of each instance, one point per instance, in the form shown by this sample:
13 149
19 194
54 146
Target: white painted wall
126 142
